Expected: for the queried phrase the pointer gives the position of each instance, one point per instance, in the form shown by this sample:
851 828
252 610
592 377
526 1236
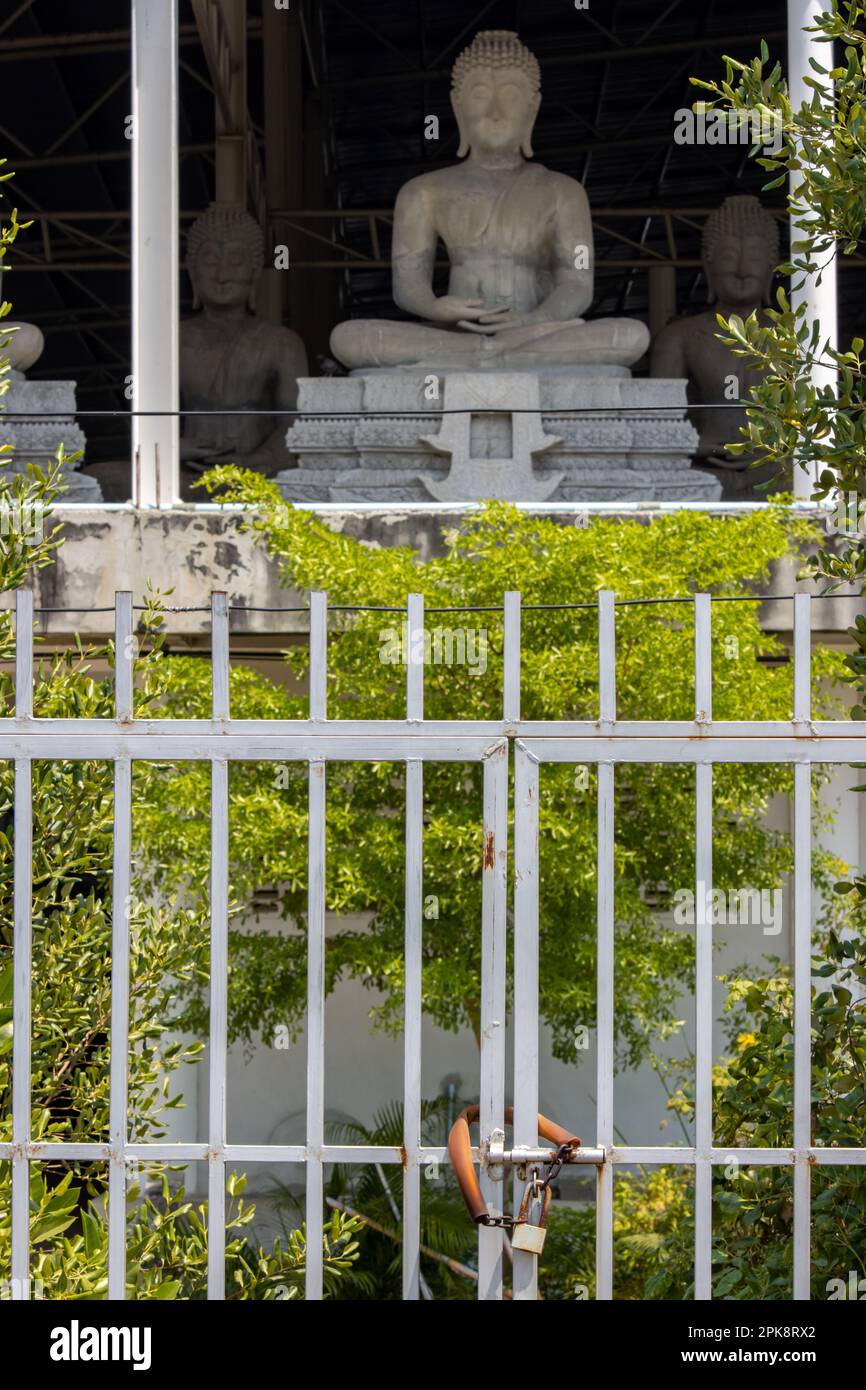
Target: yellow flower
746 1040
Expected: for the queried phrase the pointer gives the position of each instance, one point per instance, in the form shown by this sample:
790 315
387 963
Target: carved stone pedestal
393 436
50 408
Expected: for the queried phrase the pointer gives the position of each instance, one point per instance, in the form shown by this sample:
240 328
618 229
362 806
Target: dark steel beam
16 14
61 161
722 42
39 46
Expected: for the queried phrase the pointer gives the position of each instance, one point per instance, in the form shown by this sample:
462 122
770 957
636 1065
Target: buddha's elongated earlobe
196 302
464 143
526 143
768 286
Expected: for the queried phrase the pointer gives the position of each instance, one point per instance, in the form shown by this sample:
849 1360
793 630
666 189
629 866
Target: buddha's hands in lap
494 321
720 458
190 451
453 308
490 323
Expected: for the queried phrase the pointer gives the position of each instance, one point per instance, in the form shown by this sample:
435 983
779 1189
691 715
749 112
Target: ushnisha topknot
495 48
223 220
740 215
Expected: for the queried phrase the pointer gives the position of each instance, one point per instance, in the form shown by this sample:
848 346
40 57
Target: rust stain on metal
489 849
404 1157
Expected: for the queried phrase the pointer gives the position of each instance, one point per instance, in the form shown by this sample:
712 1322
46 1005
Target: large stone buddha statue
230 358
519 239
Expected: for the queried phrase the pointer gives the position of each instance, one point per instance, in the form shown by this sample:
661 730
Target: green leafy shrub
498 549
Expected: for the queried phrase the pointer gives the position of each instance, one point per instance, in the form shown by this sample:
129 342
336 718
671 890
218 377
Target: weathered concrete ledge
197 550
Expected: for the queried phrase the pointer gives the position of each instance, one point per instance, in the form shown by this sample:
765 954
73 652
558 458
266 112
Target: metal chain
562 1155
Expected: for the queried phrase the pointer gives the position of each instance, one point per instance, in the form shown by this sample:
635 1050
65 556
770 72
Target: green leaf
166 1291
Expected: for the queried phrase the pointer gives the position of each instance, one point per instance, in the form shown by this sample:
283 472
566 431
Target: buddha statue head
740 250
495 94
225 254
21 344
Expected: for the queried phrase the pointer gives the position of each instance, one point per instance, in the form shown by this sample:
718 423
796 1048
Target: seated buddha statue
518 237
230 358
740 250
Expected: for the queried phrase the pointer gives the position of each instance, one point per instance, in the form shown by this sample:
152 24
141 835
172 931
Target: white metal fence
606 742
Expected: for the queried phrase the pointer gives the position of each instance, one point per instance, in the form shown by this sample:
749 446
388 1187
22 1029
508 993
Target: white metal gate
414 741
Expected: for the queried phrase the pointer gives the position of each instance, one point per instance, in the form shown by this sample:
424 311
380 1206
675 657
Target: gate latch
495 1157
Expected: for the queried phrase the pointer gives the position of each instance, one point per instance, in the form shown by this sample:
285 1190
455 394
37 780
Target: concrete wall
197 550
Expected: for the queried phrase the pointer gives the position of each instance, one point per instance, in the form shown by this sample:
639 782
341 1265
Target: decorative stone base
35 440
376 437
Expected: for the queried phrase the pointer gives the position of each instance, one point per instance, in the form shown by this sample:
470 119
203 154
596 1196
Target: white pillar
155 448
820 300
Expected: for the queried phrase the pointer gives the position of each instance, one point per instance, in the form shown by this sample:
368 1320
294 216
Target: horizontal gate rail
236 735
317 741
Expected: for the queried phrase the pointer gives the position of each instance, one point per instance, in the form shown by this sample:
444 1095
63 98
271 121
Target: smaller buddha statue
740 250
230 358
21 344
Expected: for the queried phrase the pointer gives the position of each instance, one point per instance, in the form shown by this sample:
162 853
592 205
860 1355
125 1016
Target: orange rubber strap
460 1153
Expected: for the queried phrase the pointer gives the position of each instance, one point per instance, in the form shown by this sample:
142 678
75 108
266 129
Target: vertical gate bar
605 970
605 952
220 658
315 1026
703 1030
318 656
493 948
511 659
526 888
22 954
802 1026
606 656
316 954
802 658
218 1042
412 965
412 1030
120 921
23 654
703 1196
703 659
802 953
414 635
124 656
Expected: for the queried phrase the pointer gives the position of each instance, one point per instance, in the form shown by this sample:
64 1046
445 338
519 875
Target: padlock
527 1235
